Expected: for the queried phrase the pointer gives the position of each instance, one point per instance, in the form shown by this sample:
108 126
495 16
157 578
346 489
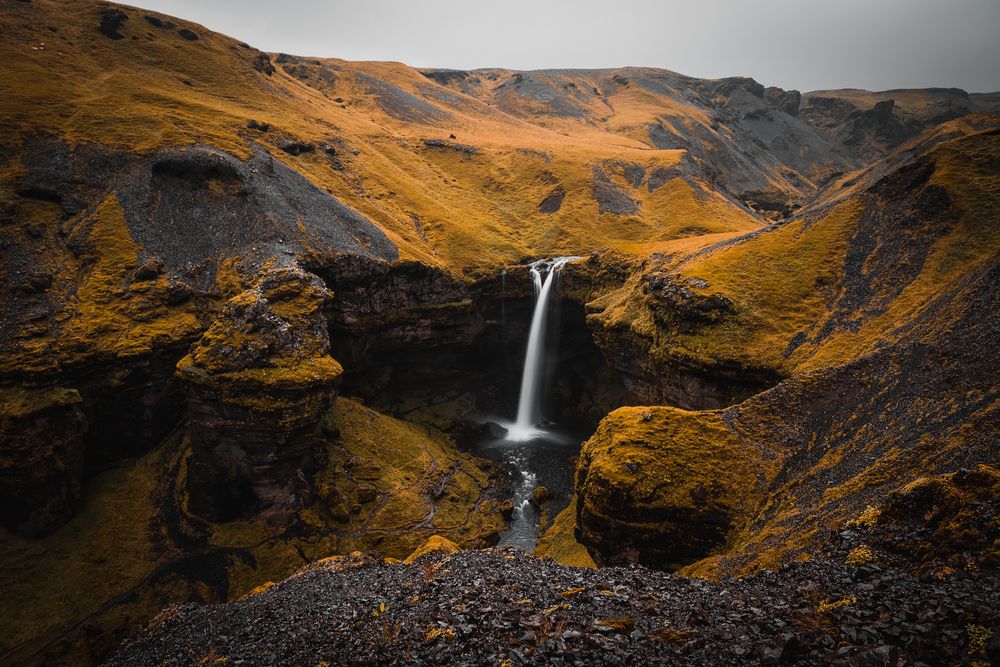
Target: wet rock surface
500 606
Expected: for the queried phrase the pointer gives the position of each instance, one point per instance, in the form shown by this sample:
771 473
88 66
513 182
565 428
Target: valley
598 364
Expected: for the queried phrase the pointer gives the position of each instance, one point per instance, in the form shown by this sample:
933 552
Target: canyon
275 326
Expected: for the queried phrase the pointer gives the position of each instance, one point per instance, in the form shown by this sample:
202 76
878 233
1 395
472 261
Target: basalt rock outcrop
676 306
257 383
664 487
872 124
413 336
116 261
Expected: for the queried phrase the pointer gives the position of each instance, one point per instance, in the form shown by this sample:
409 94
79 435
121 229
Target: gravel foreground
503 607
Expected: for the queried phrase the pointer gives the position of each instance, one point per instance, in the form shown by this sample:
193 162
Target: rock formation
42 462
881 373
257 383
664 487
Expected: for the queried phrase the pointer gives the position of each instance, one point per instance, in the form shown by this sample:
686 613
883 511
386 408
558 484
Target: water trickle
526 426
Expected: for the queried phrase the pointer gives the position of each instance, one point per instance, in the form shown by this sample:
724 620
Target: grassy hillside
881 312
467 201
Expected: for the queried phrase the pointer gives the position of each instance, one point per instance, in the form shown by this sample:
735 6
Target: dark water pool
546 460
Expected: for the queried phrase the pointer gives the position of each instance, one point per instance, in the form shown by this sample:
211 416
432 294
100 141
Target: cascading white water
528 410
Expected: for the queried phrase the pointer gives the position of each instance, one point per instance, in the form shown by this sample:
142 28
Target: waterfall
528 405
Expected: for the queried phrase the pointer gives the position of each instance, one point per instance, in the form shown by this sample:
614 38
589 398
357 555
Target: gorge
314 361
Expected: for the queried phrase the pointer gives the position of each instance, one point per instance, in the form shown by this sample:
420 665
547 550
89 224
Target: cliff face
257 383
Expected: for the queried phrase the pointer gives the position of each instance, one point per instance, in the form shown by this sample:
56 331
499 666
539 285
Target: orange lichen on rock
559 542
270 335
257 382
435 544
664 486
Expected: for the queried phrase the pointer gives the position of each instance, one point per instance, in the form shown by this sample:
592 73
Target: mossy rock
664 487
435 544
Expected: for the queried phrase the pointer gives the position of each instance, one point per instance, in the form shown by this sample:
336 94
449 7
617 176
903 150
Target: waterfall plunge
528 405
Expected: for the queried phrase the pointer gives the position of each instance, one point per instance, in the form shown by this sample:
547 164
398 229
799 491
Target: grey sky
803 44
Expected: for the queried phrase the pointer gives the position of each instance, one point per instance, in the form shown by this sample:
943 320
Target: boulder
296 147
111 21
493 430
663 487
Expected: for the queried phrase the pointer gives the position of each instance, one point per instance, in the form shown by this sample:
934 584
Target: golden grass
153 89
559 543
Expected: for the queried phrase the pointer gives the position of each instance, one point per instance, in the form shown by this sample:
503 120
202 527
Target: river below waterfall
546 460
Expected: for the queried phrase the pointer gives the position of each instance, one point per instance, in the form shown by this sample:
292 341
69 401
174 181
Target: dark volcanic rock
257 383
681 382
111 21
500 606
383 307
41 458
262 63
553 201
786 100
401 104
296 147
948 520
188 34
441 143
610 197
492 430
191 205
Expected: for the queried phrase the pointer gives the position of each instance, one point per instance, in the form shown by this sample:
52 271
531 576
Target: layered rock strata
257 382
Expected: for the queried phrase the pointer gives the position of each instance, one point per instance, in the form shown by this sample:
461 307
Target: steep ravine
439 353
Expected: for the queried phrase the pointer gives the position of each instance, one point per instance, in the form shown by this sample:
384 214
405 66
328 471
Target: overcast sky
803 44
